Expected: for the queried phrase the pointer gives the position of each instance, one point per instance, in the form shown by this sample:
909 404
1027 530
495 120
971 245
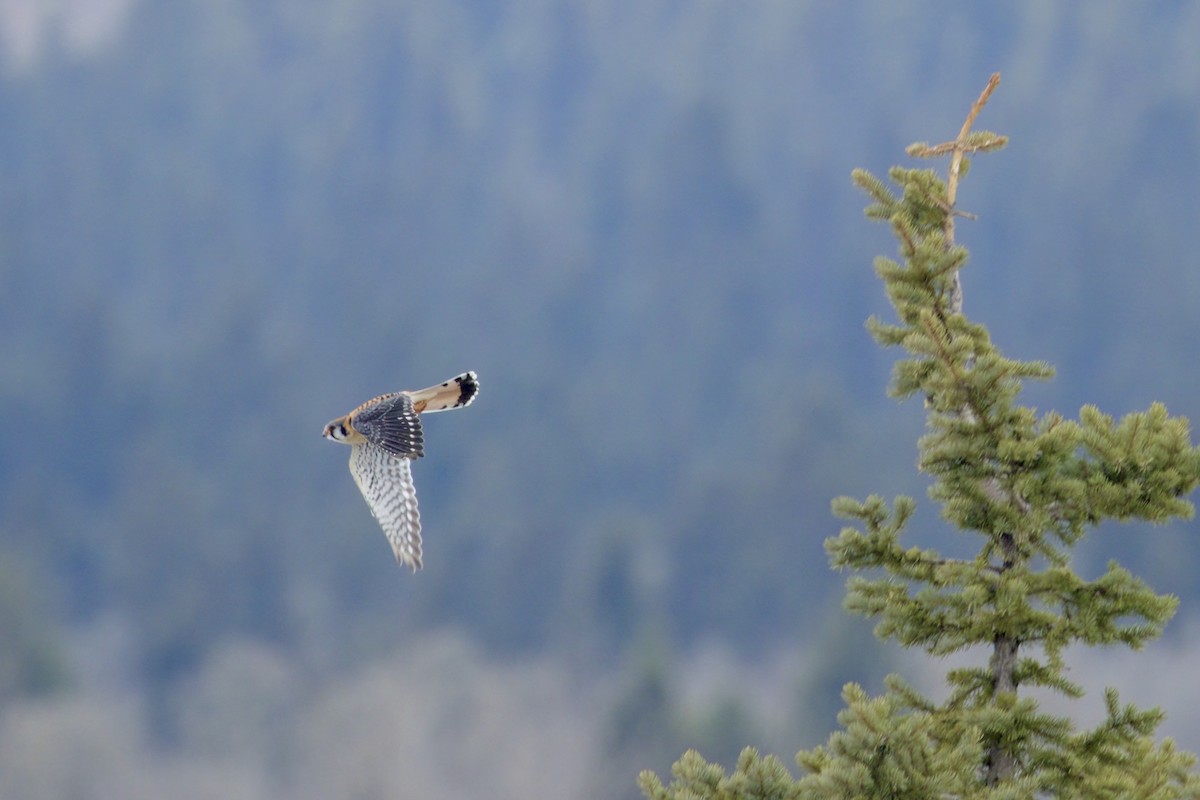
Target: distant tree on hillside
32 661
1027 487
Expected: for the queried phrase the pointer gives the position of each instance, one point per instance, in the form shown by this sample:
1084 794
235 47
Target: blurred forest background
225 222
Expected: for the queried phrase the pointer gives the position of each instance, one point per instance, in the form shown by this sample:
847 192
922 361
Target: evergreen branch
953 174
976 142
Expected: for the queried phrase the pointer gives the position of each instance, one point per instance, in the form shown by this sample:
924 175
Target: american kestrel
385 435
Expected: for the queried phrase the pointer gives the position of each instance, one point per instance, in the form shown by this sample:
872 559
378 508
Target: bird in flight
385 435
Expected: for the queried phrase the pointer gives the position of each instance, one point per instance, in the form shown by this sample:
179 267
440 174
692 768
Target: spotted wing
390 422
386 483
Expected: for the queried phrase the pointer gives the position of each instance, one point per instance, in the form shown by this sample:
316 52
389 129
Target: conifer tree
1027 487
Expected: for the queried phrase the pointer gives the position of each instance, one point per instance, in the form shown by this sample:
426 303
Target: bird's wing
386 483
390 422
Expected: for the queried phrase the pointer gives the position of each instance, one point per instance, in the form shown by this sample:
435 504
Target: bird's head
337 431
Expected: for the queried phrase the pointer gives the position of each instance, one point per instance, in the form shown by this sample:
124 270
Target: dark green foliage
756 778
1027 486
887 749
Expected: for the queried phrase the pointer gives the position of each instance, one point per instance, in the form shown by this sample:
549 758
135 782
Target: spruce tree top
1028 487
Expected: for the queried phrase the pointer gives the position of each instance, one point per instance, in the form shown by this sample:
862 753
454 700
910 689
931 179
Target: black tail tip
468 387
